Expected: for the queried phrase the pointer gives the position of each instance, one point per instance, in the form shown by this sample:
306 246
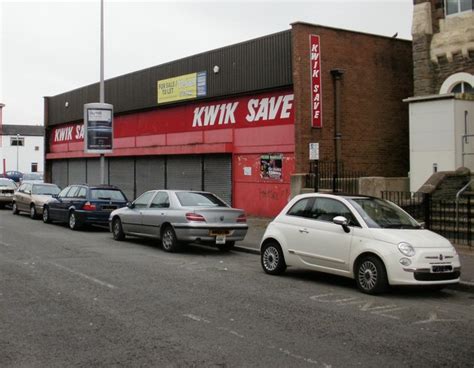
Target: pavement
257 226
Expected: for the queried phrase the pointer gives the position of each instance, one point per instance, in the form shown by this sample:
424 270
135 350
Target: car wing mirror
55 196
130 205
342 221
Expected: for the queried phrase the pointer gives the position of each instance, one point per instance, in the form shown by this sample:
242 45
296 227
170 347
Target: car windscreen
45 189
107 194
194 199
7 183
378 213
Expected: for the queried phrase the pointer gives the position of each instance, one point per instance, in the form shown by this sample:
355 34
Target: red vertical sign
316 96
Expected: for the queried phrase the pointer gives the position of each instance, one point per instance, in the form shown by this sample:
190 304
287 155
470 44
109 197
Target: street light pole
101 92
17 151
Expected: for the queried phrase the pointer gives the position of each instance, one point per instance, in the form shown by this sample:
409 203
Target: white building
21 147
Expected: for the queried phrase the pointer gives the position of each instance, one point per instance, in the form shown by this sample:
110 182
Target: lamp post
17 151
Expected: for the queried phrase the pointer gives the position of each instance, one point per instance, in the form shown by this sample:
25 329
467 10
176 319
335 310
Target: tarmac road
82 299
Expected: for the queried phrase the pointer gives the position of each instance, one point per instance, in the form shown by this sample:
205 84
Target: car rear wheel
46 218
228 246
117 229
169 241
33 213
272 258
73 222
370 275
15 209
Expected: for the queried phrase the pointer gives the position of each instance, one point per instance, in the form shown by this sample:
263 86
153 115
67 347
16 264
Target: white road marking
433 317
196 318
90 278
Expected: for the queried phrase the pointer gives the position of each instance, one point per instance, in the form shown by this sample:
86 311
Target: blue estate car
79 205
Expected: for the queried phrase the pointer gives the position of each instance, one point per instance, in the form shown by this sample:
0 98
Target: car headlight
406 249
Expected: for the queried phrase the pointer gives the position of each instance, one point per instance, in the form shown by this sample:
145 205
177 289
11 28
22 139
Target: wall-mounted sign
316 95
268 109
98 128
314 151
271 166
248 171
184 87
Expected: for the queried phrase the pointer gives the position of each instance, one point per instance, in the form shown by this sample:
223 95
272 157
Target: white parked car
368 239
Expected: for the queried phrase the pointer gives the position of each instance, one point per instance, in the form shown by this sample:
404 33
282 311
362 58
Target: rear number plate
439 269
109 207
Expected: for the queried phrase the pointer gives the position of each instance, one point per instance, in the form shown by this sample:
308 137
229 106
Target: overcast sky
50 47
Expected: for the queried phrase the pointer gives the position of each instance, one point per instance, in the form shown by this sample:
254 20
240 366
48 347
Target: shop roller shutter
150 174
59 173
93 171
77 171
184 172
122 175
218 176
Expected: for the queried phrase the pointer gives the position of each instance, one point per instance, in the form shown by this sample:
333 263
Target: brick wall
374 120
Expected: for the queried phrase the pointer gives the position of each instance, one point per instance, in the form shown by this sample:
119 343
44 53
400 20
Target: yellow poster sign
178 88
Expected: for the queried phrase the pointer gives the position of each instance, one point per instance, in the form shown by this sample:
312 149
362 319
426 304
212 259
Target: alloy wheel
367 275
271 258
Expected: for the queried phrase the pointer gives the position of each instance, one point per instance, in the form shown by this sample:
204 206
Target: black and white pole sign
98 128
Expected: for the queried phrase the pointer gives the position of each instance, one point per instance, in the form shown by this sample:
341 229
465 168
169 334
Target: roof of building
25 130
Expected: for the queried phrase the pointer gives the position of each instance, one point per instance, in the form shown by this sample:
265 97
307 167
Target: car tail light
242 218
88 206
195 217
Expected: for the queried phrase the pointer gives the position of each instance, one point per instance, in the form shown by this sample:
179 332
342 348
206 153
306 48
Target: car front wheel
117 229
370 275
33 211
272 259
169 241
46 218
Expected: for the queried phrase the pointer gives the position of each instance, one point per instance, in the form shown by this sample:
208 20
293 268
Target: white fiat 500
368 239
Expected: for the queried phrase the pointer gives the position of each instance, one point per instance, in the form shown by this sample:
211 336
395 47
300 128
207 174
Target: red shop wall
259 196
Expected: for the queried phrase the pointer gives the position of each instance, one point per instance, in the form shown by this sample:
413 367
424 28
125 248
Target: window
37 148
17 141
73 192
302 208
82 193
458 6
63 192
34 167
195 199
161 200
325 209
142 201
462 87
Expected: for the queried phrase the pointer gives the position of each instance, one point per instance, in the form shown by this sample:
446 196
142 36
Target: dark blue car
79 205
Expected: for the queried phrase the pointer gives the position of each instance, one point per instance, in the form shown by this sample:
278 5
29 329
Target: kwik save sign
266 109
316 96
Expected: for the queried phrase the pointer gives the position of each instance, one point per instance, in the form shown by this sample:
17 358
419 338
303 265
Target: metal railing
452 219
329 176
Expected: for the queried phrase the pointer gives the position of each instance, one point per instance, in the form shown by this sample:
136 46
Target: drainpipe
337 77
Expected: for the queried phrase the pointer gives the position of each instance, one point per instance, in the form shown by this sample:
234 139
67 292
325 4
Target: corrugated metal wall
218 176
150 174
258 64
136 175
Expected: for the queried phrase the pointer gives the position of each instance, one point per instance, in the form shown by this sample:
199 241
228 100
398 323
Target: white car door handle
303 231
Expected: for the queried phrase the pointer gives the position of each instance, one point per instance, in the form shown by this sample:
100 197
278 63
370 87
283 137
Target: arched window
462 87
458 83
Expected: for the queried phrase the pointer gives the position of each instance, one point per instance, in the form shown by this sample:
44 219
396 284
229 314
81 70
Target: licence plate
439 269
220 239
109 207
219 232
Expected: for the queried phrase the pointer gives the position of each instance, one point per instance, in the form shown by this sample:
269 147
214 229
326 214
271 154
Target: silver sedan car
177 217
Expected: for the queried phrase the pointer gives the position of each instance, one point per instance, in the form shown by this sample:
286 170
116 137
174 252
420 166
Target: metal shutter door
184 172
122 175
150 174
218 176
59 173
93 171
77 172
